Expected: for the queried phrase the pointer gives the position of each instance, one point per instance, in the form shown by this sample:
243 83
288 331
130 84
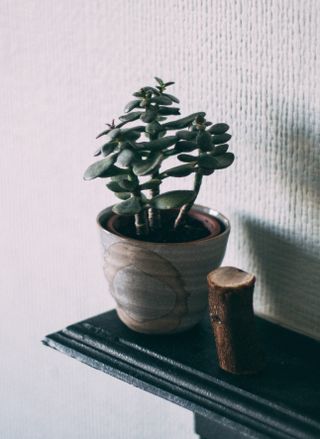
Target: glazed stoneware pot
161 288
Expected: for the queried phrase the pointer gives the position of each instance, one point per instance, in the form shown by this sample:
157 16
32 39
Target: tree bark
232 319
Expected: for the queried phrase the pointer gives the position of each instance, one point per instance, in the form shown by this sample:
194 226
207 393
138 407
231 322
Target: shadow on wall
301 162
290 277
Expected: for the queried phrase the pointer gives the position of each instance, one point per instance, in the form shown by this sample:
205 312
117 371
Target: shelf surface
282 402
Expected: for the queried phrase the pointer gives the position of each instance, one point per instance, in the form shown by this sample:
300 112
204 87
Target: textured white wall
67 67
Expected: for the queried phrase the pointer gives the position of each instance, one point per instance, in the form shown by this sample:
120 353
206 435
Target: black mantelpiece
281 402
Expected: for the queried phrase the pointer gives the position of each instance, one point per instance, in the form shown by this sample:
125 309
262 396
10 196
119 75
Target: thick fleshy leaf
99 168
111 134
182 123
114 186
172 200
123 195
130 135
153 128
130 116
159 80
204 140
169 111
207 162
185 146
150 89
204 171
187 158
180 171
126 157
218 128
173 98
157 144
220 149
186 135
114 171
138 94
108 148
97 152
128 185
169 83
149 115
224 161
221 138
129 207
145 167
131 105
161 100
151 184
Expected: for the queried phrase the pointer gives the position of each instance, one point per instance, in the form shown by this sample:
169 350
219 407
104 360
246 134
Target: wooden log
232 320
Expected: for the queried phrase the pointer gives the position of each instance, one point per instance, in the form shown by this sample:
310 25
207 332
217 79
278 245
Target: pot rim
202 209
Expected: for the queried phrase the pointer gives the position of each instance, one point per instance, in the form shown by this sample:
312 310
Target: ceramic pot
161 288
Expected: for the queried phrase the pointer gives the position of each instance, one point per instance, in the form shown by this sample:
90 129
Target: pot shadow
290 276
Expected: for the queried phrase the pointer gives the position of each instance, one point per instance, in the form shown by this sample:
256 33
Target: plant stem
181 218
154 215
141 224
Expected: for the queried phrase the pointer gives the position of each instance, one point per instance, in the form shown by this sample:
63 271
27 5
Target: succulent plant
133 157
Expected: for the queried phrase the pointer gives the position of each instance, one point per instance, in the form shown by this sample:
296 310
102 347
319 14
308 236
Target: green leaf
169 111
182 123
219 128
153 128
111 134
128 207
224 161
185 146
159 80
173 98
168 83
207 161
186 135
150 89
114 186
130 134
145 167
157 144
204 171
149 115
128 185
108 148
131 116
98 169
172 200
221 138
151 184
220 149
97 152
138 94
114 171
131 105
204 140
161 100
180 171
187 158
126 157
123 195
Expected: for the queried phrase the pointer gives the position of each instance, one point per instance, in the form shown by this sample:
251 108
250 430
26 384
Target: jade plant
134 158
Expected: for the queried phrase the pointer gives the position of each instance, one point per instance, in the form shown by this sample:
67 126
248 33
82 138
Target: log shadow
289 275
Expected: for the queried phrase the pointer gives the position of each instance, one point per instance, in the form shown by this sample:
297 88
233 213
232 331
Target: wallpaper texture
67 68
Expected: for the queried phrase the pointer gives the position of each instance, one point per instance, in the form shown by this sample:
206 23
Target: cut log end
230 277
232 319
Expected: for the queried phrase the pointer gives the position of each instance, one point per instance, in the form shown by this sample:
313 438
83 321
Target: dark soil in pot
198 226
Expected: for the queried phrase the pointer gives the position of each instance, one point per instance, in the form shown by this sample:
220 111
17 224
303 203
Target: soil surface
192 230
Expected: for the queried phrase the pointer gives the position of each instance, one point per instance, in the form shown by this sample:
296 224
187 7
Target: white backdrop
69 66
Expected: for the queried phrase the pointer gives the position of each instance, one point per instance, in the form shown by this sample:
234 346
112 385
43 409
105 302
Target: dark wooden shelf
281 402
